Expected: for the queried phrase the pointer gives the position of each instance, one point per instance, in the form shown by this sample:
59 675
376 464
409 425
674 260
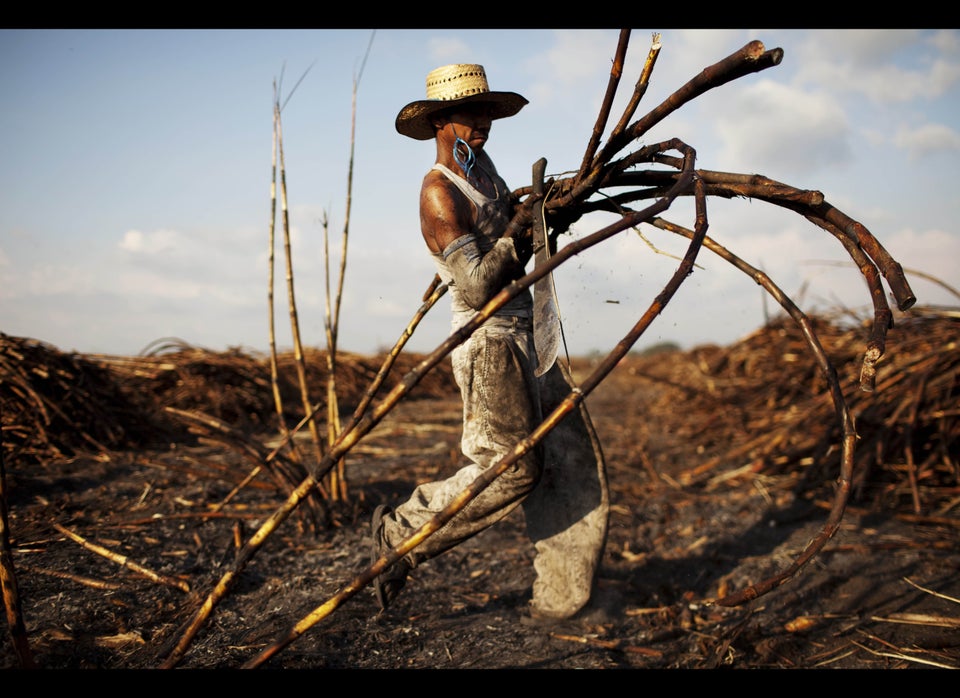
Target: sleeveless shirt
493 216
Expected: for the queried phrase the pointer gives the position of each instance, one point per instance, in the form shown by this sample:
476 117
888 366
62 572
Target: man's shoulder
436 180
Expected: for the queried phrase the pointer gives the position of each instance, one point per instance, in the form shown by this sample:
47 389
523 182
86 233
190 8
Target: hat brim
414 119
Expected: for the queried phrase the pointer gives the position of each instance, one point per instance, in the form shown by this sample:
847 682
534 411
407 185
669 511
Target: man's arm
446 220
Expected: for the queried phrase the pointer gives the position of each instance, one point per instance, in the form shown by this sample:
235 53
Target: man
465 207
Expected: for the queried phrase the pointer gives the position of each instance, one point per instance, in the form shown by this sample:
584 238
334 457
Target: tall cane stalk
271 263
338 480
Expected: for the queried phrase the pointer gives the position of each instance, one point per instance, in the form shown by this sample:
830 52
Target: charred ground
722 464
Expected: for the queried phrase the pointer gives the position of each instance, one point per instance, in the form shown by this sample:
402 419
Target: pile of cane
766 407
57 404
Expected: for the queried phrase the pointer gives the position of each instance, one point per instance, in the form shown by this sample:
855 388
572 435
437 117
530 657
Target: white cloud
161 286
886 66
931 252
231 257
578 55
139 243
686 52
943 76
781 131
54 279
861 48
577 60
946 40
927 139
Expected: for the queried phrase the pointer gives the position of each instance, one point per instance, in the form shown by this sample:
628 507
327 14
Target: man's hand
520 229
523 244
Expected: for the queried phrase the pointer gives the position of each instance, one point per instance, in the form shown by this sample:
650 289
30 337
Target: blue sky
135 171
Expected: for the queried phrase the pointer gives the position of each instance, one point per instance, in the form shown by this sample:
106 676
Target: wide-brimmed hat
450 86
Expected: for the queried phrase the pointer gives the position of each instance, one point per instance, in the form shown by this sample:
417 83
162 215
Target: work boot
391 581
591 616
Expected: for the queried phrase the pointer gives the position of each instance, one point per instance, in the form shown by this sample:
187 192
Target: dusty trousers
561 483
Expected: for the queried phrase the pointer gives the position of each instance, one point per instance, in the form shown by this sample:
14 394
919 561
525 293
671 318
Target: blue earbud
465 164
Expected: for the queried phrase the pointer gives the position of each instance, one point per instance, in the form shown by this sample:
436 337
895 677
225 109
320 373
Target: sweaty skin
445 214
448 217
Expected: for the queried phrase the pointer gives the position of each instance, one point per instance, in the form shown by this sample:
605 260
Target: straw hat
449 86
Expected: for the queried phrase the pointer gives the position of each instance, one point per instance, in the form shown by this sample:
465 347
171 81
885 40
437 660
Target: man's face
470 122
